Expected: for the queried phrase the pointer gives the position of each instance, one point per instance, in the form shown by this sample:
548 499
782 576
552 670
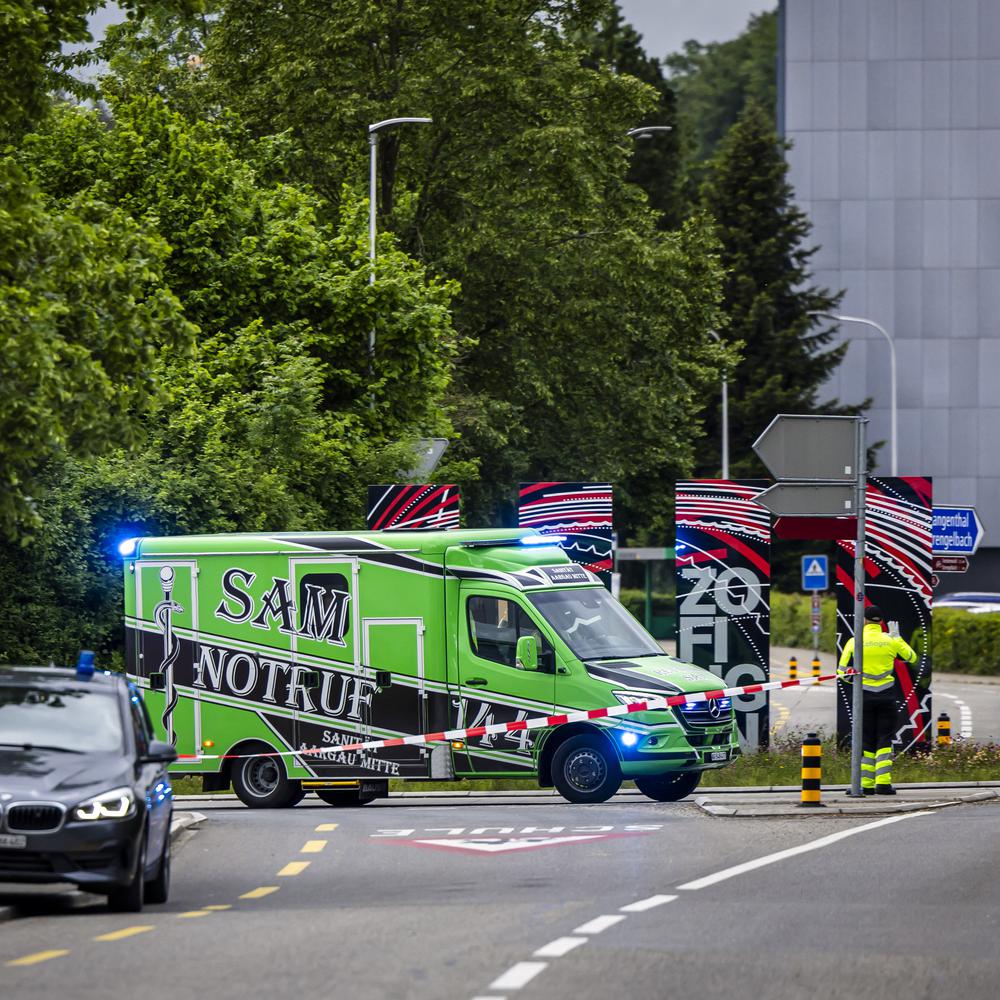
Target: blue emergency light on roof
85 664
128 547
542 539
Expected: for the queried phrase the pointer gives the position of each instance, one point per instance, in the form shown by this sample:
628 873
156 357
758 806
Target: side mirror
527 653
158 752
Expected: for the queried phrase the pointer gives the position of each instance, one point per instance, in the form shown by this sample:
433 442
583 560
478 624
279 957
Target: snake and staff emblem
162 615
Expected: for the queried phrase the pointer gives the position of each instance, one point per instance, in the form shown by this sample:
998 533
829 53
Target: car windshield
594 625
68 719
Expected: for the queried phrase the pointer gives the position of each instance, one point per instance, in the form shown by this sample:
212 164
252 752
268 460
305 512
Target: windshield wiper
39 746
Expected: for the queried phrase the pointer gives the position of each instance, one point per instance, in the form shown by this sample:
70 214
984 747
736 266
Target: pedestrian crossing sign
815 573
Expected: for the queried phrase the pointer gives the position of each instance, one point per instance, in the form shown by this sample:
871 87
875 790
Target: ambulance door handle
477 682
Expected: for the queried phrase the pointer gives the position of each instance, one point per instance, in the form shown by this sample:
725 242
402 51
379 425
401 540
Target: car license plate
13 840
718 755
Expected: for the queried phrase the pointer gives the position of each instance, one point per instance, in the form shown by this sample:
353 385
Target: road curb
179 823
791 811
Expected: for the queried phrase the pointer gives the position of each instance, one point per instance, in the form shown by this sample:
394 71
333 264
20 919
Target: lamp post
725 414
893 407
373 131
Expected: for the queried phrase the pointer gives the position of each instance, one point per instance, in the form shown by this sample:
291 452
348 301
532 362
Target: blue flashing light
128 547
629 739
542 539
85 664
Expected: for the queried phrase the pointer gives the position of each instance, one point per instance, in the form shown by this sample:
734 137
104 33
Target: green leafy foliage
965 643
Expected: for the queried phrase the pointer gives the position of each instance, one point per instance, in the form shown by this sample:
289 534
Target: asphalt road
512 897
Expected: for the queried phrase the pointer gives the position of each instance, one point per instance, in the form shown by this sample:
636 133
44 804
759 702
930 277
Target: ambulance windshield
594 625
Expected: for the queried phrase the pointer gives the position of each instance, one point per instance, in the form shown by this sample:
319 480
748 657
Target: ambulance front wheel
261 783
585 769
668 787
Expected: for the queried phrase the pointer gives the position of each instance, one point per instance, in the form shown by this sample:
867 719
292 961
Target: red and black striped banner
409 507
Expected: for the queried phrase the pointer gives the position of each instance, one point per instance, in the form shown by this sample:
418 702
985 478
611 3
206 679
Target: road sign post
821 465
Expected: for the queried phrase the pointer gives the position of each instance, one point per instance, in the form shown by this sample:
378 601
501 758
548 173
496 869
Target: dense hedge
791 620
965 643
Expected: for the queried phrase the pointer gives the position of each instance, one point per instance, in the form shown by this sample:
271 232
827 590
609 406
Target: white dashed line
518 975
559 947
646 904
599 924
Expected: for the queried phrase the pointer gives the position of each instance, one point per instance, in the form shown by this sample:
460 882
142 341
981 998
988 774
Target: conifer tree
769 297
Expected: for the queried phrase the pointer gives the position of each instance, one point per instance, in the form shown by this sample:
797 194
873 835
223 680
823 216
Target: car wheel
261 783
585 769
128 898
158 888
668 787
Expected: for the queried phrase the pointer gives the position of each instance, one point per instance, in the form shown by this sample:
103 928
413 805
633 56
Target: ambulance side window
495 625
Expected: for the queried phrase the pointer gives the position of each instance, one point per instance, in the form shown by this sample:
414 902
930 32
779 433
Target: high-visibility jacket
881 650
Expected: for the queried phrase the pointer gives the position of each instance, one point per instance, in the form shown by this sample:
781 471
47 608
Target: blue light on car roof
128 547
542 539
85 664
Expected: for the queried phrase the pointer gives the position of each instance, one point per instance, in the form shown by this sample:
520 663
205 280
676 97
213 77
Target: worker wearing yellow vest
878 720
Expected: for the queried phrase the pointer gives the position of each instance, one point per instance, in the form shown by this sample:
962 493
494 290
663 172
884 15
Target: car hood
61 777
659 674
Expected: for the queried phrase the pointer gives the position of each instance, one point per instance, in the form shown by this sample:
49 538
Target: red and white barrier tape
540 722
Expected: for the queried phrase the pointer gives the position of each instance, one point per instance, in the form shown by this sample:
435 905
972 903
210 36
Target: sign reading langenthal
956 531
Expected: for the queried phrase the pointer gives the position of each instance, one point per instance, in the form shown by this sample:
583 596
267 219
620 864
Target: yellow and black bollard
943 730
812 771
816 666
793 669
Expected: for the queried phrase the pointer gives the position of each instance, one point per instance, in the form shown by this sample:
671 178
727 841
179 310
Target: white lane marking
599 924
646 904
965 715
518 975
559 947
812 845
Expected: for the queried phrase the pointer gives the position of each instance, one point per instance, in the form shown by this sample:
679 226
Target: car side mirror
527 653
158 752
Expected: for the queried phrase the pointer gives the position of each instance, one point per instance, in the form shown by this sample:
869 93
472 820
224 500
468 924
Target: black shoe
885 790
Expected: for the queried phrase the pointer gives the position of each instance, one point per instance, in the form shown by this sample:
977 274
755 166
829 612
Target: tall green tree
770 300
518 191
714 82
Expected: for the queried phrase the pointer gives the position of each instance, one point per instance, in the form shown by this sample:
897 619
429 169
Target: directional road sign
811 448
956 531
815 573
950 564
809 500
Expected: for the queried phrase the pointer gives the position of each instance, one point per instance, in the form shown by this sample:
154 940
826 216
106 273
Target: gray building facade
893 111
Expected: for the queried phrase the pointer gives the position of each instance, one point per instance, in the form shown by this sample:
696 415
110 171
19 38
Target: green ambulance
247 644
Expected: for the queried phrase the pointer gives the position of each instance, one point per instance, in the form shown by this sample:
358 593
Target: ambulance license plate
13 840
718 755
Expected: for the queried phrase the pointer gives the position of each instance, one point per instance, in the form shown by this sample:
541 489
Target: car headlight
119 803
632 697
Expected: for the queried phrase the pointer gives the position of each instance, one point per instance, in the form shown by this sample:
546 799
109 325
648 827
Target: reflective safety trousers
881 650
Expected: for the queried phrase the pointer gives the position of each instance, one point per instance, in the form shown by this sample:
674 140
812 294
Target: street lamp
373 131
893 410
725 414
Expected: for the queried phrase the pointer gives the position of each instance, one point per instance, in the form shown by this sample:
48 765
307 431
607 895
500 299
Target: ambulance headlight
119 803
633 697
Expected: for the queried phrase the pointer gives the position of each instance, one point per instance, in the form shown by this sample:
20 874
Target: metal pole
859 609
725 427
372 167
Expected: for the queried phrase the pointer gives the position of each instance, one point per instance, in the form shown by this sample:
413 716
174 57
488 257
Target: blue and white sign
815 573
955 531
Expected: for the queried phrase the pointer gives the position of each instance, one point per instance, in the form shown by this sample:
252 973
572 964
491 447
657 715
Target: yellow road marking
219 906
294 868
264 890
125 932
326 827
39 956
313 847
195 913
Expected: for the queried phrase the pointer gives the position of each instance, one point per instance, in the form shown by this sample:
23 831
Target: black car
84 792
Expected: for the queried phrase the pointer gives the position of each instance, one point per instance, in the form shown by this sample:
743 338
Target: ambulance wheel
585 769
261 783
668 787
